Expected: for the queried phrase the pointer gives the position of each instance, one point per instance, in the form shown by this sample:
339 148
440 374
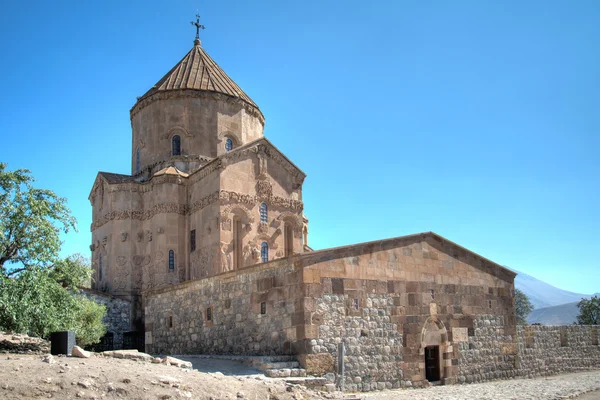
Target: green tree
523 307
39 291
589 311
31 220
39 301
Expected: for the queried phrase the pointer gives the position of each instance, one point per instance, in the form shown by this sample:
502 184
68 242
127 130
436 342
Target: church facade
207 239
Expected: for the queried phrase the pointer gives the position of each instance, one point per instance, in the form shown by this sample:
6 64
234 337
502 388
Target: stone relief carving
226 223
120 278
263 227
140 236
121 260
251 251
92 247
226 263
149 235
159 256
123 236
137 260
248 218
296 219
183 209
264 189
262 166
160 230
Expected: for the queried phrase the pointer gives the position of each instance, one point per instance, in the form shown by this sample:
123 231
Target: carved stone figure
123 236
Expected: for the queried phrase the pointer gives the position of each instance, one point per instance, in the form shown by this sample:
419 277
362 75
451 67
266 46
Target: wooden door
432 363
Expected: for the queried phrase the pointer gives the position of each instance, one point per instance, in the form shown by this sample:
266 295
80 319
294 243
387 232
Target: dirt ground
99 377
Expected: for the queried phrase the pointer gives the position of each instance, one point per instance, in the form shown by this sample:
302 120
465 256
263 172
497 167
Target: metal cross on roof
198 26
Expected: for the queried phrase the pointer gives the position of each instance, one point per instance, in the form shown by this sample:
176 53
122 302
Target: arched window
176 145
228 144
137 161
263 213
171 260
100 267
264 252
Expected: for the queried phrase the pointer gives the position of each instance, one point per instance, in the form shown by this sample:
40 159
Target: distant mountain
542 294
564 314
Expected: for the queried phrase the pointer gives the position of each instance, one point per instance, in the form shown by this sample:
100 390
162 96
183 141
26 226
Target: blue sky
477 120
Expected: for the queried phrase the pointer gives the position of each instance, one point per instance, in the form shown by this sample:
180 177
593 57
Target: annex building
207 241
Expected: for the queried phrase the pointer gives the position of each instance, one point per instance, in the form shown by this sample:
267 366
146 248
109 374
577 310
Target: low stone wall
118 314
549 350
488 353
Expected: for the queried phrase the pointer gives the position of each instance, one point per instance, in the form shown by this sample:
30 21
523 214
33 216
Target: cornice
197 94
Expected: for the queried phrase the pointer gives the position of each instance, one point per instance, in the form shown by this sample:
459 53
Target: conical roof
197 70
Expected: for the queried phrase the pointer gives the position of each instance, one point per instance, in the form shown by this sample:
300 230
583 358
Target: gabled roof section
432 238
197 70
116 178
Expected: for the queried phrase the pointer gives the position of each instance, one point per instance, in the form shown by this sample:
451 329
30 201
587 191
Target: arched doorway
434 343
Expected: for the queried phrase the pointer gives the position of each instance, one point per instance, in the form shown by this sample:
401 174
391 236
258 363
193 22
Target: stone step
285 372
279 365
310 381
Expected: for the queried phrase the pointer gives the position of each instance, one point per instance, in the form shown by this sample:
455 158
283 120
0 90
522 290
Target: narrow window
355 304
192 240
263 212
237 243
171 260
264 251
228 145
170 321
209 314
489 304
288 240
176 145
138 161
432 293
263 307
100 267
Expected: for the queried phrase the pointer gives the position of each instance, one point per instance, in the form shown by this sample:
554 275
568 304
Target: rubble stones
81 353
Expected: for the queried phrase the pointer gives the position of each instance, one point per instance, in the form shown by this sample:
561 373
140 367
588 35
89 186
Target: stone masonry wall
118 314
373 343
548 350
488 353
177 321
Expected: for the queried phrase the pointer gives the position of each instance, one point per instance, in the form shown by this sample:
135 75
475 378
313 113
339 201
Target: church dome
198 71
192 114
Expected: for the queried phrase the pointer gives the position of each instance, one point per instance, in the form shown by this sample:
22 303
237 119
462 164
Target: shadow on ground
226 367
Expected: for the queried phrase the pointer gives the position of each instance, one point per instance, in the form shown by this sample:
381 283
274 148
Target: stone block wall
177 317
490 353
373 342
549 350
118 314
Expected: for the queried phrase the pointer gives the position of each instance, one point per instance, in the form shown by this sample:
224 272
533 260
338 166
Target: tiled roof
197 70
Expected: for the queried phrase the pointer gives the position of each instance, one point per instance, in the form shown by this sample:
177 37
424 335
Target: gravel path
552 387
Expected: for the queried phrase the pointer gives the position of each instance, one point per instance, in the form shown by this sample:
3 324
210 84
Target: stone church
208 241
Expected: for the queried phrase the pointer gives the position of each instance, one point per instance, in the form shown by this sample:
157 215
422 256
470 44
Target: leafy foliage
39 301
523 306
589 311
30 222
